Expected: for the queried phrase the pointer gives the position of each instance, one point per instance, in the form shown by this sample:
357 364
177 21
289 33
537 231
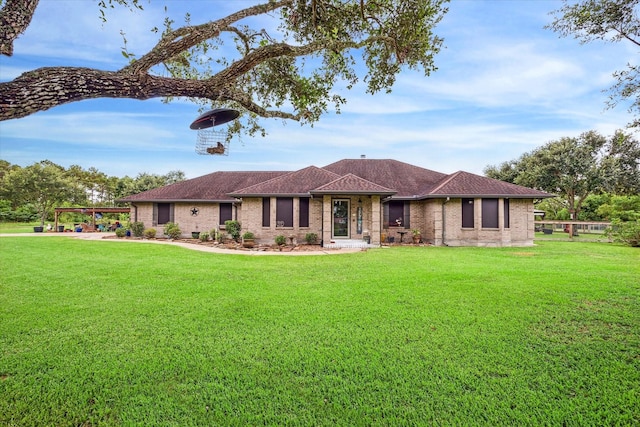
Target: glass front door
340 218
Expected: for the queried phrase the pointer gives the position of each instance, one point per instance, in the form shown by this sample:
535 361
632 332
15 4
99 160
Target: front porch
349 244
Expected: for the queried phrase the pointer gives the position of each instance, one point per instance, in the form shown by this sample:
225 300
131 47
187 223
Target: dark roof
352 184
465 184
384 177
212 187
406 180
293 183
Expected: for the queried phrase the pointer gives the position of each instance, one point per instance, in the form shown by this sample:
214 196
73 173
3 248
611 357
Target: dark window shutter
506 214
266 211
467 213
303 219
226 212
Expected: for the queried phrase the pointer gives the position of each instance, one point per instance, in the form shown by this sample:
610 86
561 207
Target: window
163 213
266 211
490 213
396 214
303 217
467 213
284 212
226 212
506 213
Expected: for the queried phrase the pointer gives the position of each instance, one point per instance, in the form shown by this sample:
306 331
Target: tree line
595 177
32 192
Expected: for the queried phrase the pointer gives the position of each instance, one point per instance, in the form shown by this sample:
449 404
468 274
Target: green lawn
18 227
114 333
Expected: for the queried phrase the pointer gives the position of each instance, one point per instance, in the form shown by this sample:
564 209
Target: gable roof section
212 187
296 183
352 184
465 184
406 180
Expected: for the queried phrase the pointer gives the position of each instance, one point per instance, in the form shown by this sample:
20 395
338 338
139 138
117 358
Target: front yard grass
117 333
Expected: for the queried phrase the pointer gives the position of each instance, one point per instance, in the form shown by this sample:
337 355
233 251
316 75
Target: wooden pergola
92 211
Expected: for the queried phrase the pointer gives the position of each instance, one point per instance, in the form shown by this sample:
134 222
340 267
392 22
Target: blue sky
504 86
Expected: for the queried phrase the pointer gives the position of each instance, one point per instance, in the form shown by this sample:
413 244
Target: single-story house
376 200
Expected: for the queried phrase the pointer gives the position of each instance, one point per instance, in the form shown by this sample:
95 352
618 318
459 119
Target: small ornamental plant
311 238
233 228
248 235
121 232
280 240
204 236
172 230
137 228
150 233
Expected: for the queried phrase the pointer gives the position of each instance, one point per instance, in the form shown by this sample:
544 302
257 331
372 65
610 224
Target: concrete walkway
203 248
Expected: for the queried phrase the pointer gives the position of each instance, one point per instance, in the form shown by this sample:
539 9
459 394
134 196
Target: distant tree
610 21
43 185
288 73
574 168
623 208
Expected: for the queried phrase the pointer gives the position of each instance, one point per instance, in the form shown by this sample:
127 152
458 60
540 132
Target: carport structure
92 211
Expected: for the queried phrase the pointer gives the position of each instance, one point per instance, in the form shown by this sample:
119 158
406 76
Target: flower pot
248 243
38 229
416 238
195 234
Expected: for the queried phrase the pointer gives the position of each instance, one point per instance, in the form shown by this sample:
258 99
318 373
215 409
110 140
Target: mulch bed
230 244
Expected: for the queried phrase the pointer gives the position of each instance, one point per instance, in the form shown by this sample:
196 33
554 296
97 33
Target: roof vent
363 156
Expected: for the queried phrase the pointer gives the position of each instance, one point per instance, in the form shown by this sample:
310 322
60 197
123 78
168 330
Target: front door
340 218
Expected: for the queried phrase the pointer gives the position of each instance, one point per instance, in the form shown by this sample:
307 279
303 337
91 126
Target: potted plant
248 239
416 235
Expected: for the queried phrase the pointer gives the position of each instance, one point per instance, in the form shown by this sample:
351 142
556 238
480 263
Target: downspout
444 222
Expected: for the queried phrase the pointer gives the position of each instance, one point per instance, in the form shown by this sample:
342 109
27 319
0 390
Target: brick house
349 201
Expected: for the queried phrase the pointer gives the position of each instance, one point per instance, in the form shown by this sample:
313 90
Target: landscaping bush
627 232
150 233
233 228
204 236
311 238
280 240
137 229
121 232
248 235
172 230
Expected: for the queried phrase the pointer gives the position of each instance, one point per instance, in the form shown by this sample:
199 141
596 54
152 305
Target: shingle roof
349 176
292 183
465 184
352 184
212 187
405 179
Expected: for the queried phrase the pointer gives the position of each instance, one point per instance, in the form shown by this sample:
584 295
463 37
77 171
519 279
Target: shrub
627 232
121 232
150 233
280 240
172 230
233 228
204 236
213 234
137 229
248 235
311 238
